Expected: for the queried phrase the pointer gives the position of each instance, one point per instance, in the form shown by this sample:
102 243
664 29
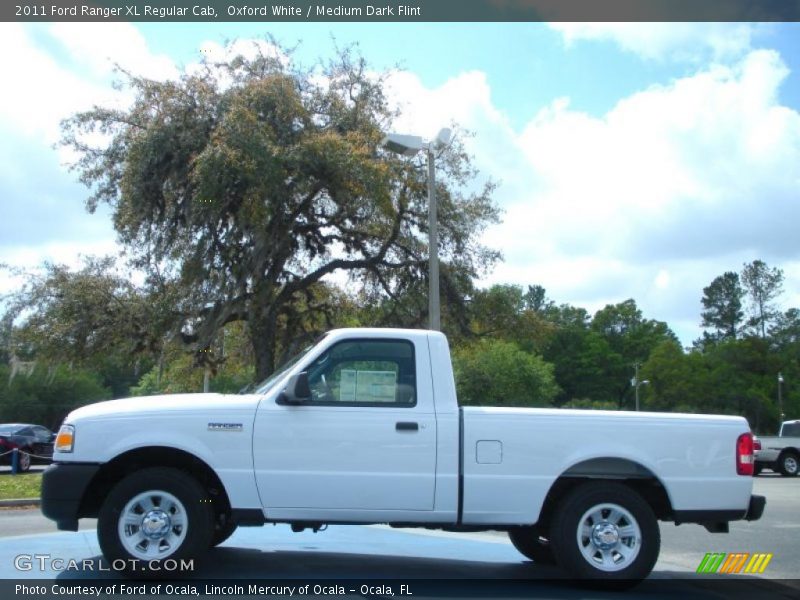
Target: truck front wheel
530 543
153 515
605 532
222 531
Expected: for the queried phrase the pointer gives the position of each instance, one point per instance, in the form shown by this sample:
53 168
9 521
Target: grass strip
26 485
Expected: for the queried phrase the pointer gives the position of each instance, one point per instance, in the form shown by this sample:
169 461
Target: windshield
266 385
8 429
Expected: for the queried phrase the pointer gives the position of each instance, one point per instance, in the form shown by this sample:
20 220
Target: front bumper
756 508
63 488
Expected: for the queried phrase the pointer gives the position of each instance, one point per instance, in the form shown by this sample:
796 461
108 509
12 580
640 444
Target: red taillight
756 444
744 454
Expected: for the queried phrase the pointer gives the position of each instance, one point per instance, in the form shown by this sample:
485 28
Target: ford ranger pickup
364 428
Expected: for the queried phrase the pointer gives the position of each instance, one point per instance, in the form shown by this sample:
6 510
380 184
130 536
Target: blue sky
635 160
527 64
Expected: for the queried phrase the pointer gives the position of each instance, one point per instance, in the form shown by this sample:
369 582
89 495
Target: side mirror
297 390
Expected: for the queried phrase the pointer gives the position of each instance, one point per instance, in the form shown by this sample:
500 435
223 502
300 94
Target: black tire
612 510
757 468
177 503
789 464
531 544
23 461
223 529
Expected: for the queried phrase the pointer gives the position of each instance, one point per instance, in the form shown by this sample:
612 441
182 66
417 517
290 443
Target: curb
19 502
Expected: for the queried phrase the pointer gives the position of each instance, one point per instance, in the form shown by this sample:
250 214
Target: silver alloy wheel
790 464
609 537
152 525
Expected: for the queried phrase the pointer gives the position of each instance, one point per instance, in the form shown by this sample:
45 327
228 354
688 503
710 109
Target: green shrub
46 397
499 373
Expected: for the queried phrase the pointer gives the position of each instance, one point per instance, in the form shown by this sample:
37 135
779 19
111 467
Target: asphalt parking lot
378 552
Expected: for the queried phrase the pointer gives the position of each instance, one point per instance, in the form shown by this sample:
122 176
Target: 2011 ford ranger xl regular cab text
364 427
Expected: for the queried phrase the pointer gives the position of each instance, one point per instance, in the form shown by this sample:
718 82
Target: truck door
366 440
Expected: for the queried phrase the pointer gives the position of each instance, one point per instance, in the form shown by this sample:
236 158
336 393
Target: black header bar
688 586
413 11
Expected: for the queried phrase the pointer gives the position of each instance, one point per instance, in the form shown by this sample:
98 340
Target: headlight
65 439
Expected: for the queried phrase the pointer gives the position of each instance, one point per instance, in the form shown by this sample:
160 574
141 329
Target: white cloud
694 172
673 186
49 87
706 146
101 46
464 99
662 280
666 41
45 83
46 90
43 92
31 257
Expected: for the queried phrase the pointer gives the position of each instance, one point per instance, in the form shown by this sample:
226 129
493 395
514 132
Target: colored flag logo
734 562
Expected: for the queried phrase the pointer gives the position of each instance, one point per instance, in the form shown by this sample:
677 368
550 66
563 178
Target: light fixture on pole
409 145
636 383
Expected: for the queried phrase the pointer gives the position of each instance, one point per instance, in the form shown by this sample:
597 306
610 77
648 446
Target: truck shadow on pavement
253 563
330 565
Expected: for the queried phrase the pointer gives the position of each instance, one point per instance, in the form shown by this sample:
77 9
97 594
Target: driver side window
364 373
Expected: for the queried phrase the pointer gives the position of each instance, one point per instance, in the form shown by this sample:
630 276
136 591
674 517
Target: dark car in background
34 442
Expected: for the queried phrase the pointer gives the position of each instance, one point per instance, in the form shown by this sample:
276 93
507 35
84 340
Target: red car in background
35 443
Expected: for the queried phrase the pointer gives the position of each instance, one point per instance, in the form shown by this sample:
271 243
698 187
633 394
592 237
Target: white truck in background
780 453
364 427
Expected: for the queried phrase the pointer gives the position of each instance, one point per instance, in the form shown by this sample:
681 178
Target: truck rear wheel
530 543
606 532
789 464
153 515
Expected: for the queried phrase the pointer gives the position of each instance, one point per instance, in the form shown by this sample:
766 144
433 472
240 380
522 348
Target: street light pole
434 309
636 383
409 145
780 398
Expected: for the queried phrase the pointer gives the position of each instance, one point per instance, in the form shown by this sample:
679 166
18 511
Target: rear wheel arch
619 470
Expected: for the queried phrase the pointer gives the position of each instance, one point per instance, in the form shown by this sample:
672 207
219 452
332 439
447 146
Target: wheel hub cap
605 535
155 523
609 537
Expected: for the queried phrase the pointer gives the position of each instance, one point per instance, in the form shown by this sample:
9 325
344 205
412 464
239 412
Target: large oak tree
250 181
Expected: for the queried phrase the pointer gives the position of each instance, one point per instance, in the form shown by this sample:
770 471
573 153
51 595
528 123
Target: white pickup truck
364 427
780 453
